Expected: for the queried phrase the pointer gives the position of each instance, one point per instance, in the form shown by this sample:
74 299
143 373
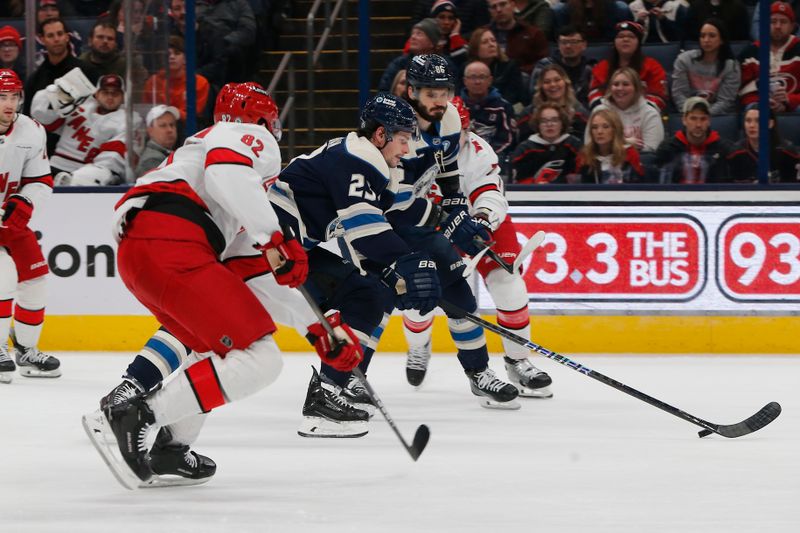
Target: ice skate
118 433
417 363
176 464
34 364
529 380
7 366
357 396
121 393
494 393
327 414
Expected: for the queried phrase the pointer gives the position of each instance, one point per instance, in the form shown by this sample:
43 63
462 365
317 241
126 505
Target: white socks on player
29 311
511 299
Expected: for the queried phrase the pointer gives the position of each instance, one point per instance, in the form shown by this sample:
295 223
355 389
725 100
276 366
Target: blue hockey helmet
430 70
389 111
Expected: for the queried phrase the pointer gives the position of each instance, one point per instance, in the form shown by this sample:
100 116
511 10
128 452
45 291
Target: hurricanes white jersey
24 167
85 136
224 169
480 181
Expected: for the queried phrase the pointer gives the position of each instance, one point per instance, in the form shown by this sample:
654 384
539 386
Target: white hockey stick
532 244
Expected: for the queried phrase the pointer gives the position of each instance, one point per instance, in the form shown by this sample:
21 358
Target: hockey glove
69 91
17 212
343 353
470 234
415 282
287 259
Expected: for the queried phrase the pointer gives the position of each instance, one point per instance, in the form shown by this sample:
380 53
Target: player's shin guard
215 381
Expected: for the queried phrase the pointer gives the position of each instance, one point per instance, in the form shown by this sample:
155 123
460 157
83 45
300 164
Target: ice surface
589 460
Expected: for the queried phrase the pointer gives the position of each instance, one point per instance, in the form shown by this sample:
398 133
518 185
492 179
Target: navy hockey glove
17 212
287 259
470 234
345 352
415 282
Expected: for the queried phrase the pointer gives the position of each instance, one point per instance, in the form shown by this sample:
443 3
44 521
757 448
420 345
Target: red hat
111 81
633 27
9 33
782 8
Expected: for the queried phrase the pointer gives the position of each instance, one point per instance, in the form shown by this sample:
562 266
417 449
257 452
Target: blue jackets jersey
340 190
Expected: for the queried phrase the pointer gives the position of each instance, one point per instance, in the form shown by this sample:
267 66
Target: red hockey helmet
463 111
248 102
9 81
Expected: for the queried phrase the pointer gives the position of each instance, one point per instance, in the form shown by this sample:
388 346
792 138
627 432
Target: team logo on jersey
445 145
436 141
334 230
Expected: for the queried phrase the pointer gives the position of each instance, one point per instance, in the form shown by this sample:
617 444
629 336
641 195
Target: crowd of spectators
612 91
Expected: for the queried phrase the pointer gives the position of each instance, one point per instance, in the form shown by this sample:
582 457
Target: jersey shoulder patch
361 148
451 122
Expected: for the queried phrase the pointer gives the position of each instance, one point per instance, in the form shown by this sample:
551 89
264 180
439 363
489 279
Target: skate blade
542 392
162 481
488 403
29 372
99 432
6 377
316 427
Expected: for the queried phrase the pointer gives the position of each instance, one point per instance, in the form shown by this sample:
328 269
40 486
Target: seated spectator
450 43
142 36
48 9
732 12
492 115
399 84
162 134
91 147
54 34
506 74
662 20
211 61
232 21
696 154
754 25
570 56
549 155
103 54
424 36
606 158
537 13
643 127
155 88
520 41
627 52
471 13
10 48
711 72
555 87
784 87
784 159
595 19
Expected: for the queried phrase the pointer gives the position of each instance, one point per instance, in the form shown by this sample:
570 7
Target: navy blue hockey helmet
394 114
430 70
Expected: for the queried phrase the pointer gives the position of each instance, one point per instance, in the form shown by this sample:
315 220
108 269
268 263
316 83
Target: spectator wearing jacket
696 154
174 79
49 9
537 13
732 12
162 134
784 159
519 40
547 156
755 23
555 87
711 72
492 115
642 125
11 51
662 20
606 158
595 19
570 56
627 52
424 36
450 43
506 75
471 13
784 87
234 22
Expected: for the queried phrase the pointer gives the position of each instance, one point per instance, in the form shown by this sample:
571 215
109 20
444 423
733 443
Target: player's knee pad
245 372
460 295
8 275
508 290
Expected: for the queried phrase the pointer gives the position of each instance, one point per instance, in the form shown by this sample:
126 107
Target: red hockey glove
345 352
287 259
17 211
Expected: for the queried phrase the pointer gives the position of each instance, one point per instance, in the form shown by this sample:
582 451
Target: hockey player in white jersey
172 227
433 162
91 125
482 185
25 185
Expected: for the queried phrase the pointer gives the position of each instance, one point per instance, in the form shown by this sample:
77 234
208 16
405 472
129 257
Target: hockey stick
423 433
766 415
533 243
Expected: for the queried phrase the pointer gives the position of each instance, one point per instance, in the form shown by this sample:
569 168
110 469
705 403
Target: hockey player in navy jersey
432 165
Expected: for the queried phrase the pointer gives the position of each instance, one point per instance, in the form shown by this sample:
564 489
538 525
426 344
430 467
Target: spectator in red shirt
627 52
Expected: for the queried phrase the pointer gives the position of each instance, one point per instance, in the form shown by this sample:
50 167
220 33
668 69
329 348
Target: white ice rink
589 460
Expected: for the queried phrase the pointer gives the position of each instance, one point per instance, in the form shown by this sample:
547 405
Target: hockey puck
704 433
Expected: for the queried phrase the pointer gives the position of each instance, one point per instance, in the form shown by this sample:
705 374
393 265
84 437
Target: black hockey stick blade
421 438
762 418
